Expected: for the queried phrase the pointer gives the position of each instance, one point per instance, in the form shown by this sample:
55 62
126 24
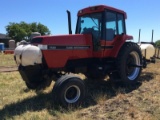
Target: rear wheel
69 90
129 63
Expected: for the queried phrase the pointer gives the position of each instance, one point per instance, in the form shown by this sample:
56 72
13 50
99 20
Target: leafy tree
22 31
27 29
33 27
157 43
15 31
39 28
42 29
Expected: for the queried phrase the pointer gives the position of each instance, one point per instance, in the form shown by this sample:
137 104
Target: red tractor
99 47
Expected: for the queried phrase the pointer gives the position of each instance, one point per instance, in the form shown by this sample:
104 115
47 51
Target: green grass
103 101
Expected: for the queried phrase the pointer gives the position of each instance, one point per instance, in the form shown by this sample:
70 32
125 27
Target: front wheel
69 90
129 63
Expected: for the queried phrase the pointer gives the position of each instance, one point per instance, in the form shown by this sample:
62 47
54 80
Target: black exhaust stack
69 22
139 36
152 36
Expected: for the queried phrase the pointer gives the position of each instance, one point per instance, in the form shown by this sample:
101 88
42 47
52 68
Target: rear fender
119 43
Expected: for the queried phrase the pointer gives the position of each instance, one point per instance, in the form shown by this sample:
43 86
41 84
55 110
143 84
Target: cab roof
99 8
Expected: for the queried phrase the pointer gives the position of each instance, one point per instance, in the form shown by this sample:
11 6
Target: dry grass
7 60
104 100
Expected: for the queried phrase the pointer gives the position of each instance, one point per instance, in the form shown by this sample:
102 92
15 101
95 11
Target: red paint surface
99 8
58 58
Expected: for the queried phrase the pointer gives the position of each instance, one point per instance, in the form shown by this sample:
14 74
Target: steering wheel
96 27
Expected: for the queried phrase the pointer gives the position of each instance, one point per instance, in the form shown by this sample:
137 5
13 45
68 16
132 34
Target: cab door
93 24
113 31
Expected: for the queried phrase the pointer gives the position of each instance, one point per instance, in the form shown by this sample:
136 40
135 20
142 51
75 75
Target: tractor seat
110 33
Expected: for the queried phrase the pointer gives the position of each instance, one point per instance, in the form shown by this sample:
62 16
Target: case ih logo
53 47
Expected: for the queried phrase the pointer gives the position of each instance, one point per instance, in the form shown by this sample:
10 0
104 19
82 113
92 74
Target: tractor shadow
147 76
94 89
109 89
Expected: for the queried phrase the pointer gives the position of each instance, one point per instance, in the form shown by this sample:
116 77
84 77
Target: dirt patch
8 68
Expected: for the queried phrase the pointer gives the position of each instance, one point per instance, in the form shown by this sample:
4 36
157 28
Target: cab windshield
90 24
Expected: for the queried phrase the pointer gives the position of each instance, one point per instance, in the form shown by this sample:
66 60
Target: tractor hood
61 41
57 50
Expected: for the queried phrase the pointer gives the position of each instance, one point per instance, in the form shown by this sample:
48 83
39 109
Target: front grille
36 40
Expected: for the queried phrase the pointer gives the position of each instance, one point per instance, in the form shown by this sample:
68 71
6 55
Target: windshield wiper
93 21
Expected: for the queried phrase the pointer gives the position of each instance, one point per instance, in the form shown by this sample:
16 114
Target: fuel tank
27 55
148 50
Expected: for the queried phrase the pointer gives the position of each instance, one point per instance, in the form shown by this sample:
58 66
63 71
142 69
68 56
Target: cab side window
114 25
110 25
120 19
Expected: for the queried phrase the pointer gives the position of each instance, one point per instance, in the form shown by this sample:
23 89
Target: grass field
104 100
7 60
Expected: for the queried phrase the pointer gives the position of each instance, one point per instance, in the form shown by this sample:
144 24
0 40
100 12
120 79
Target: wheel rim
72 94
133 59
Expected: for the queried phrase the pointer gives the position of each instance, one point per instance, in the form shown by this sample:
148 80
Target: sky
141 14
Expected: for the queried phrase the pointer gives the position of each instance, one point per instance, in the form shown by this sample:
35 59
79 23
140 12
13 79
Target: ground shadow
30 104
107 88
146 76
45 101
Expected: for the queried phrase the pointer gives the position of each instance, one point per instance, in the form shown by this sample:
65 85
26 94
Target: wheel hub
132 69
72 94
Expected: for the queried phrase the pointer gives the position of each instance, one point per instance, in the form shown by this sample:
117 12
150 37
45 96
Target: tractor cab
105 24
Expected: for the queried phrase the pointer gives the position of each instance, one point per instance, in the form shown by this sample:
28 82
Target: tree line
22 31
157 43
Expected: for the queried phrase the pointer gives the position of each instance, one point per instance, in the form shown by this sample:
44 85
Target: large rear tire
129 63
69 90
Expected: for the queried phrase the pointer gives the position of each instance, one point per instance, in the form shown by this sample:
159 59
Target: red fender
120 40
